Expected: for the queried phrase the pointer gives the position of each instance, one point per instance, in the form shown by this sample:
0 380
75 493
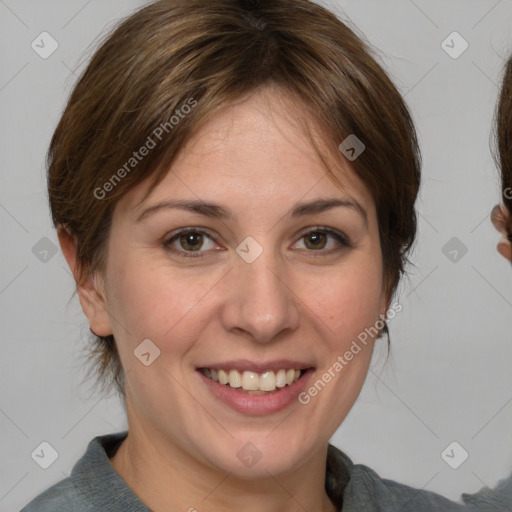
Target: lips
256 388
256 402
242 365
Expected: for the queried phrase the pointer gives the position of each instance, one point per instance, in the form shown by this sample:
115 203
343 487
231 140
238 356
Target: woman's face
268 278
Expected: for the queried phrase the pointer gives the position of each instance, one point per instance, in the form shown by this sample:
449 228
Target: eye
193 240
190 240
318 240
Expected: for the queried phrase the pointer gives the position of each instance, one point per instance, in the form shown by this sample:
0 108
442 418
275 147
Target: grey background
448 377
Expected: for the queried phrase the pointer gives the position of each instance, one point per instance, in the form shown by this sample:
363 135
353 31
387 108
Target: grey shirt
95 486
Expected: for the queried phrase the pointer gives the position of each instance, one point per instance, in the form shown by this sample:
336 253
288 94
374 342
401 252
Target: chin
258 455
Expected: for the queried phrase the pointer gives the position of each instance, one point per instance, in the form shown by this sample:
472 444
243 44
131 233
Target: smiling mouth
254 383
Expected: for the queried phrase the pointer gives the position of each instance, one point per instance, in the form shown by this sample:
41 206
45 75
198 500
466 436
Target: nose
260 302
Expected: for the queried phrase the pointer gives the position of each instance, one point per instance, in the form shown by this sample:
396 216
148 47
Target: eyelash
341 238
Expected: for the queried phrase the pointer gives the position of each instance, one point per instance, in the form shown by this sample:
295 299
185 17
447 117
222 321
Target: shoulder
365 491
372 492
88 483
497 499
60 497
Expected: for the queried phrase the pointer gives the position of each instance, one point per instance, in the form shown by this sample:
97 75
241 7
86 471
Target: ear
500 217
90 289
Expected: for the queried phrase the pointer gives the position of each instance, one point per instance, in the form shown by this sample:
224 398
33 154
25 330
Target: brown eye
324 241
315 240
191 240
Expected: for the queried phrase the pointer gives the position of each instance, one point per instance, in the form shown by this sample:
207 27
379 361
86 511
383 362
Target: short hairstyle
206 55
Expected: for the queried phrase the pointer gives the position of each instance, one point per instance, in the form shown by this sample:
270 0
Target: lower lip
258 405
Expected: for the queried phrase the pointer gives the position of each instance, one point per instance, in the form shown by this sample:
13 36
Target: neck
189 484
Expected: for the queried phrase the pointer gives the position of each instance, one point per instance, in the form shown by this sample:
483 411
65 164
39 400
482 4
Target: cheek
152 300
348 301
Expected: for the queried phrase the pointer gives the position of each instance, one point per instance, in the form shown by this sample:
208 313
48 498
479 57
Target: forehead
259 153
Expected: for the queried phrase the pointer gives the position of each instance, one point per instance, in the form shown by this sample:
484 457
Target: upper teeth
252 381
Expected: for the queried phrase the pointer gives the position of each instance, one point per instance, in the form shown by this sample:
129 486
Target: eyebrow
217 211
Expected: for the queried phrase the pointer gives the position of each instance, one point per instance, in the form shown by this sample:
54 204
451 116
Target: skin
500 218
292 302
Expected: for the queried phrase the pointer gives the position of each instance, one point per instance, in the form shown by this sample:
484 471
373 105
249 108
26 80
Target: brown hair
503 129
213 53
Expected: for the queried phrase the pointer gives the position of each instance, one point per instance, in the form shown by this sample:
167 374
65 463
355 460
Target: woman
233 185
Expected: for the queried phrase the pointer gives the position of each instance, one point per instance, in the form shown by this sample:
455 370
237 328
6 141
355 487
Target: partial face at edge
500 217
316 285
